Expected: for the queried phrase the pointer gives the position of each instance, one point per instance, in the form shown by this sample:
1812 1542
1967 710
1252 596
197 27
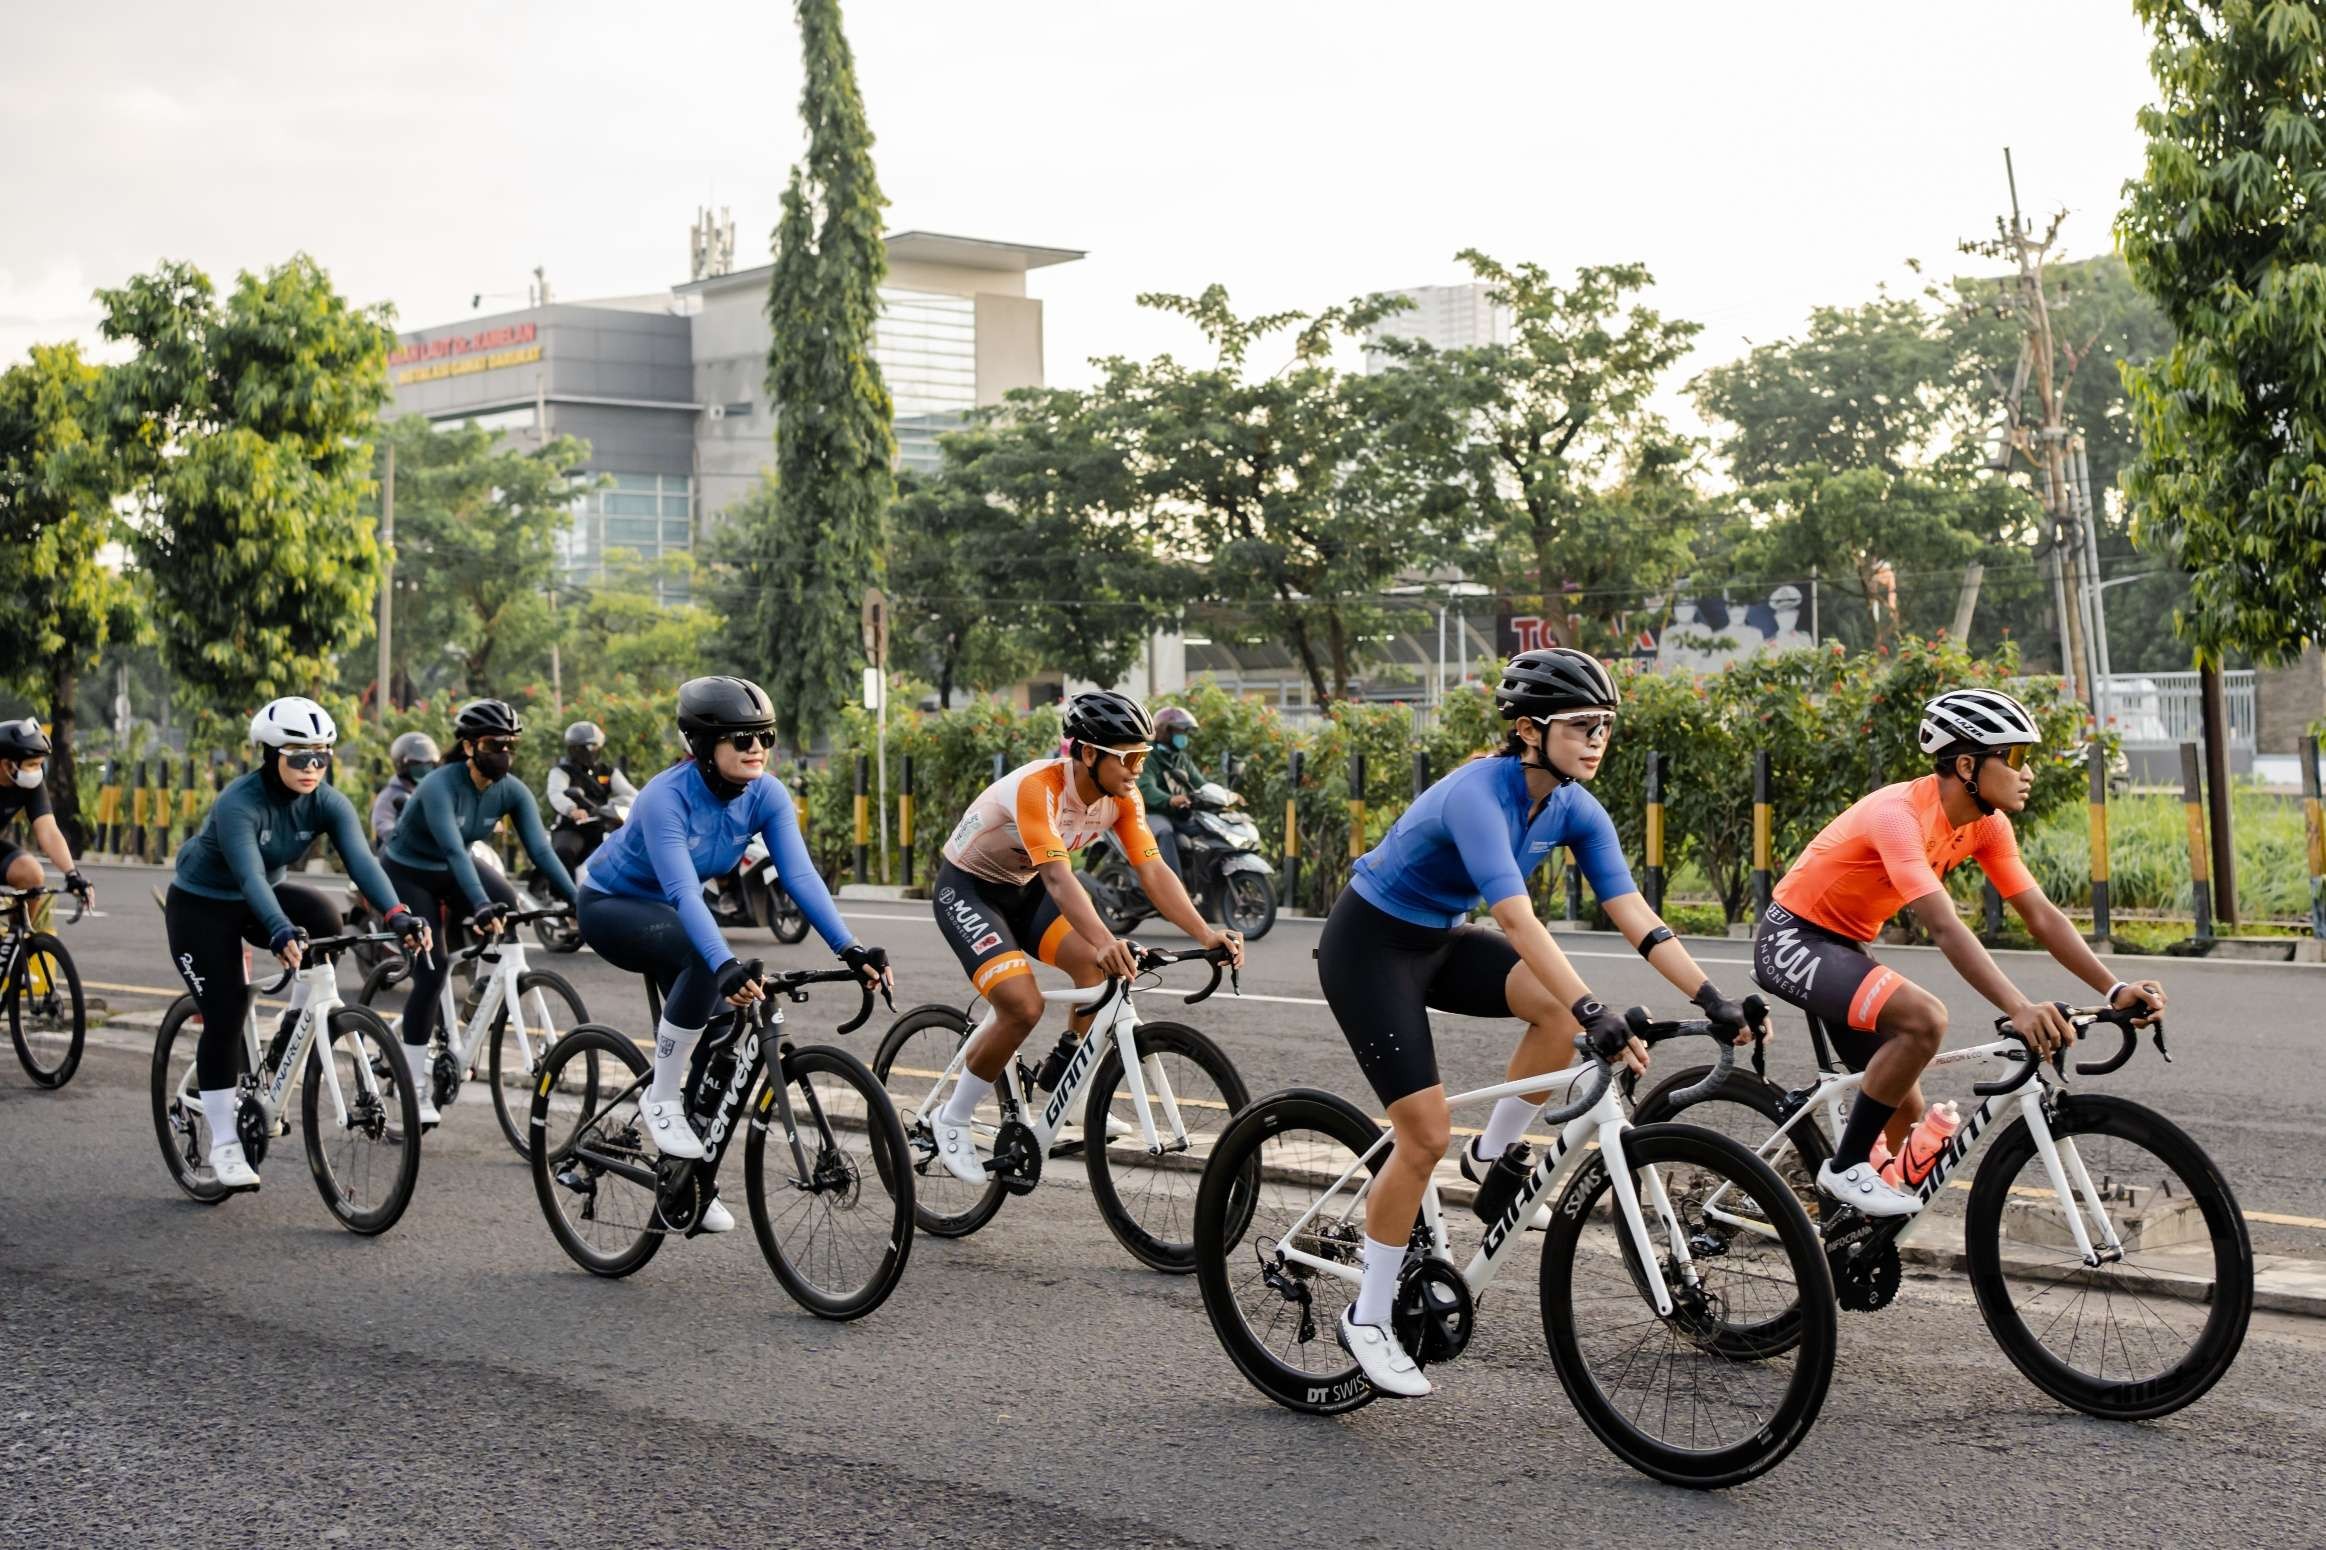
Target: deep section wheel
597 1188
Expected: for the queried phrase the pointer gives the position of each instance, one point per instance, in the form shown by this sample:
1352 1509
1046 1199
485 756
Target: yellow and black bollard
1654 871
2096 764
109 809
1292 824
138 802
2314 820
904 815
2200 870
1764 881
1356 804
863 819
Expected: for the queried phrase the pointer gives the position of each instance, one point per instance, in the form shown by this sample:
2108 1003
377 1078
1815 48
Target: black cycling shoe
1500 1182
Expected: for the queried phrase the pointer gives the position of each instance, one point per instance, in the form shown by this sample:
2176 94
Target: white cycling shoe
1865 1190
416 1066
957 1148
232 1170
665 1123
1381 1359
717 1218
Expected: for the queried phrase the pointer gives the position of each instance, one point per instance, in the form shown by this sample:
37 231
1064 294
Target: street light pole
387 587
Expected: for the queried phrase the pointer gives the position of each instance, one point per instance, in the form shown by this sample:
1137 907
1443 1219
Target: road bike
1648 1301
2128 1304
516 1046
1158 1095
360 1117
47 1017
831 1197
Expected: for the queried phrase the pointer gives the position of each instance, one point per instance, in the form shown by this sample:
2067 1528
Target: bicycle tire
176 1112
1225 1210
516 1123
623 1144
2230 1304
1771 1436
839 1182
389 1116
930 1217
1154 1249
25 1005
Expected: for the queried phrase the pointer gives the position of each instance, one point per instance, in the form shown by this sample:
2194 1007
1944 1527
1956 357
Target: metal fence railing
2160 710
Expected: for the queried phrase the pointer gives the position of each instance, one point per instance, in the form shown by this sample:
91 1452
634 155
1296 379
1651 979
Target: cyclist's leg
645 936
986 925
20 868
205 941
428 895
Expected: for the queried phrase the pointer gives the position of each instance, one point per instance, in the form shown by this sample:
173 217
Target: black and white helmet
292 719
23 739
1975 721
1555 679
1105 719
487 718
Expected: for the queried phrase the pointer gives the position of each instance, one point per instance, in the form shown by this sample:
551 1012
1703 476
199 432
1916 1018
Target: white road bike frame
2095 1235
1604 1123
507 966
317 997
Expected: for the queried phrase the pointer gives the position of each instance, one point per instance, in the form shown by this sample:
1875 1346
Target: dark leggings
206 937
645 937
436 898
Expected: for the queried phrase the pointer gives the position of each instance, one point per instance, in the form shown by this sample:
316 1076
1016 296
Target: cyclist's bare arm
1532 940
51 840
2051 928
1635 920
1169 896
2040 1021
1067 892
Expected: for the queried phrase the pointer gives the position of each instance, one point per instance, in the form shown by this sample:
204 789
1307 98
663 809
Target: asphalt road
248 1373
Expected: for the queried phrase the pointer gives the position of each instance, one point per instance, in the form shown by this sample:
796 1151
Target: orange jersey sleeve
1037 805
1998 856
1131 828
1895 831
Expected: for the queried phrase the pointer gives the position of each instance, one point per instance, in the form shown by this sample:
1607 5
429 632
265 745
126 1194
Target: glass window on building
926 345
650 514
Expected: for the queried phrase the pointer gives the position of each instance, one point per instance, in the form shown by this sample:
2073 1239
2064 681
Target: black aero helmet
585 734
23 739
1105 719
1554 679
414 748
710 708
486 718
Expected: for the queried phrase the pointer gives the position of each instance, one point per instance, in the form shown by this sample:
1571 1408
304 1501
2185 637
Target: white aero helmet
1970 720
292 719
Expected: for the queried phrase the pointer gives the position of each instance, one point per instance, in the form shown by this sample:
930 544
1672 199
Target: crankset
1017 1160
444 1078
253 1128
1864 1256
679 1197
1434 1313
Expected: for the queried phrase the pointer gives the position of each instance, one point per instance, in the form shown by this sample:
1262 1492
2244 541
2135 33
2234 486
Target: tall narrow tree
819 545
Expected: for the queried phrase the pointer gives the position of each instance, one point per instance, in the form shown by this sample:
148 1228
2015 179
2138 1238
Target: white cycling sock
1378 1290
1506 1124
968 1093
218 1106
674 1051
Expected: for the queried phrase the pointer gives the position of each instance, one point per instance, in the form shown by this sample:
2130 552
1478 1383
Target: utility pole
387 586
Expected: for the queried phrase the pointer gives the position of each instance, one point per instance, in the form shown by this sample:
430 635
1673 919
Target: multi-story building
1446 317
670 391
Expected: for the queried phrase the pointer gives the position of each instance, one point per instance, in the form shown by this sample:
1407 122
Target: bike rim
362 1152
919 1062
1292 1312
1156 1192
605 1212
42 1010
835 1224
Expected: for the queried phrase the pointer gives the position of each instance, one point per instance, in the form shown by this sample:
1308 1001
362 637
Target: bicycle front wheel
178 1122
1674 1395
1148 1198
597 1187
362 1122
47 1017
547 1006
830 1181
2149 1331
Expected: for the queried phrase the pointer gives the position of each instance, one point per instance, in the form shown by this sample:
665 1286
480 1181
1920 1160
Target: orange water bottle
1925 1144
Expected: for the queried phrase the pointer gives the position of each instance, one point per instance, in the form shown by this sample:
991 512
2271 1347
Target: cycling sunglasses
2015 756
744 742
1134 759
308 759
496 745
1593 724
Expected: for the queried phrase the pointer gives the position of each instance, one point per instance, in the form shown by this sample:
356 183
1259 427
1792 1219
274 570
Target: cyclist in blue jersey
1396 945
642 891
229 889
427 858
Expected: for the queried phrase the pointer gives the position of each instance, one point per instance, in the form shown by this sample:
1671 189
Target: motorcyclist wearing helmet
1006 893
415 757
1887 852
229 889
585 792
24 751
642 892
1397 945
427 857
1167 786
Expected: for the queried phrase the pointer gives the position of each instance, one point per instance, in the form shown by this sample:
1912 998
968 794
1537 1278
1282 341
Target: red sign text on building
462 344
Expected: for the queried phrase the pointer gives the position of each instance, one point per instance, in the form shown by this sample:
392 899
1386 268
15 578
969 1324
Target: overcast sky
1760 158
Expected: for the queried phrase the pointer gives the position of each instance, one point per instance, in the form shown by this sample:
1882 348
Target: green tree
640 621
834 440
55 518
244 430
953 553
477 523
2226 229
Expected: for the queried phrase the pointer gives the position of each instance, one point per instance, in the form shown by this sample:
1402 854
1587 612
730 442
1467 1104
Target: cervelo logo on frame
746 1057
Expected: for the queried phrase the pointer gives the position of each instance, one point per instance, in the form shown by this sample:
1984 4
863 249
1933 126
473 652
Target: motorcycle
1219 860
753 895
562 933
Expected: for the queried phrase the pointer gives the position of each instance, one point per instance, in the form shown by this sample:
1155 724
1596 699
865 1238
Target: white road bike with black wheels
1643 1294
360 1118
1158 1094
516 1017
2106 1250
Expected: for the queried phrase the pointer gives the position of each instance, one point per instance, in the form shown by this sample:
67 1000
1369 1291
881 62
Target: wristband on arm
1655 939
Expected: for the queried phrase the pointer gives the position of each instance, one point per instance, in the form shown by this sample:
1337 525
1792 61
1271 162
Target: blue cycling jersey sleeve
780 827
1480 831
660 815
1592 841
517 800
354 854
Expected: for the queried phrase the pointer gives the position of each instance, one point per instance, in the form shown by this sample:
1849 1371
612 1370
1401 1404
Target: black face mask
492 765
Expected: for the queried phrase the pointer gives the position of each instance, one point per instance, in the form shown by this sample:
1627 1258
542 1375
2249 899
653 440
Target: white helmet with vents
292 719
1975 720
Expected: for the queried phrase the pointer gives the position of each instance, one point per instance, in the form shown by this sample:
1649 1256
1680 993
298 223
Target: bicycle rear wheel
1673 1395
547 1006
597 1188
47 1017
363 1148
913 1055
1276 1164
2142 1336
837 1232
1149 1201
